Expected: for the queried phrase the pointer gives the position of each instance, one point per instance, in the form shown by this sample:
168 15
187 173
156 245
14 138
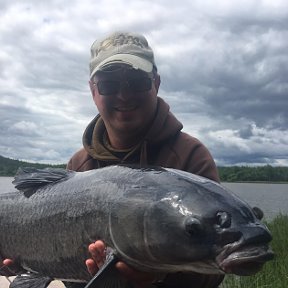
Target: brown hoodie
163 145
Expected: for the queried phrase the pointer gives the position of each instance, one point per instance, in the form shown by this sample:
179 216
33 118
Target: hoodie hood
164 126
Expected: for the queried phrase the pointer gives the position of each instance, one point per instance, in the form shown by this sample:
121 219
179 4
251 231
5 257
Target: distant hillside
267 173
8 167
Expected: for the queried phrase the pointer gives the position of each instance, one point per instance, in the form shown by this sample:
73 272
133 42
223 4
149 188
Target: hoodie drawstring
143 154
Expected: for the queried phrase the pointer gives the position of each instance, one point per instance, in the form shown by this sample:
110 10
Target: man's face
126 98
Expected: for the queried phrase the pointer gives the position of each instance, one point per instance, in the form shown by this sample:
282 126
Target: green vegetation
265 173
275 272
8 167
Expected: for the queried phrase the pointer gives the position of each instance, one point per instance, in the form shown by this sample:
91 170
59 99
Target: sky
223 67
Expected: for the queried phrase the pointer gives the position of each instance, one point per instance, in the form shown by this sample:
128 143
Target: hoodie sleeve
200 162
187 153
81 161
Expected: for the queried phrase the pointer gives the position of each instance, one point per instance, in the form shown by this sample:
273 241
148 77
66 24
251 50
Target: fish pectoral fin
30 281
108 276
29 179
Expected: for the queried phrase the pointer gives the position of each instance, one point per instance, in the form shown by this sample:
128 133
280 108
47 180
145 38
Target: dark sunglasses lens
135 85
140 84
108 87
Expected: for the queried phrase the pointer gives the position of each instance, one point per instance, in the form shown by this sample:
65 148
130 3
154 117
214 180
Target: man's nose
124 93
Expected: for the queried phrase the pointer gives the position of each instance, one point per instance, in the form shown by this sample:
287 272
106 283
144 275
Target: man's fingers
7 262
98 256
98 253
91 267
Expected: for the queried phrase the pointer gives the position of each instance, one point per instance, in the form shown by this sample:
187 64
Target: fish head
207 230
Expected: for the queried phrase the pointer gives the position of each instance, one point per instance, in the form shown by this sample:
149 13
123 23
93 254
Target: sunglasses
136 85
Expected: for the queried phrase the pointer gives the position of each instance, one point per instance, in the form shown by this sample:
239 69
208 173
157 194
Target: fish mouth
244 260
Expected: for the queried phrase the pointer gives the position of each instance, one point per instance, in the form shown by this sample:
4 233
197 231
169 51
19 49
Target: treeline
265 173
8 167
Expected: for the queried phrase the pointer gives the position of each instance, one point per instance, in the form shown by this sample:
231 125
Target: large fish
155 219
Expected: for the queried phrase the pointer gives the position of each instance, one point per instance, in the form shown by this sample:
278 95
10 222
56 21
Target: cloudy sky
223 65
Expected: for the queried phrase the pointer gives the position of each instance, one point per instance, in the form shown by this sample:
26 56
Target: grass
274 273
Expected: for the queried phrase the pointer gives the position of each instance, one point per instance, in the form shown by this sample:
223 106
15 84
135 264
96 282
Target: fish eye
223 219
193 226
258 213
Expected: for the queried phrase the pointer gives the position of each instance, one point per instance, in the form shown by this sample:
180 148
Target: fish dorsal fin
29 179
30 281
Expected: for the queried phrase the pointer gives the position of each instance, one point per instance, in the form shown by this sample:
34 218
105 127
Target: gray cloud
223 68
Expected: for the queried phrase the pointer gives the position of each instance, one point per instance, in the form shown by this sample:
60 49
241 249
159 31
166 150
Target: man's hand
98 255
7 262
97 252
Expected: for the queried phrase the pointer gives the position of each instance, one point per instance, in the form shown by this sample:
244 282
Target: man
134 125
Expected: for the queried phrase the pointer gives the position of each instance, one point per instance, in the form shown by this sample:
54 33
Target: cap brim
135 61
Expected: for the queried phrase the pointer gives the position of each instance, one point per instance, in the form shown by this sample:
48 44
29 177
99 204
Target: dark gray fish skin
155 219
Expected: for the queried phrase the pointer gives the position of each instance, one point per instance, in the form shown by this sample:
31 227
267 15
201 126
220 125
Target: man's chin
130 128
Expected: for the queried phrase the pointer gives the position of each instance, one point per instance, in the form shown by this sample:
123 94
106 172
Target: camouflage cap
122 48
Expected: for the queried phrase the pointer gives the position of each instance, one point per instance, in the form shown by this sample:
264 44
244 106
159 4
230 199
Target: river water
271 198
